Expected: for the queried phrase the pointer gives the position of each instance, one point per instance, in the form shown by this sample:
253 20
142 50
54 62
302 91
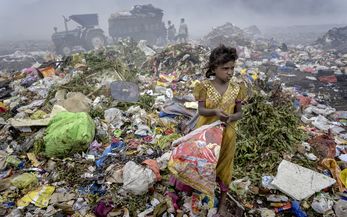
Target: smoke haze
35 19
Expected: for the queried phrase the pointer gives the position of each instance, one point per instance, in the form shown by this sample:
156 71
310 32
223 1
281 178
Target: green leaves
266 132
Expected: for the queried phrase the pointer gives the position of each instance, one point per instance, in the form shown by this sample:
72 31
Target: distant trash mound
335 38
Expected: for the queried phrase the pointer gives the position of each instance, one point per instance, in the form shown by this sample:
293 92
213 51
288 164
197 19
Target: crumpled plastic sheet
322 204
114 147
114 116
137 178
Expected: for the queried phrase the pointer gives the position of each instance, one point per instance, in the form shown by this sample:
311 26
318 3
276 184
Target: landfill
92 134
335 39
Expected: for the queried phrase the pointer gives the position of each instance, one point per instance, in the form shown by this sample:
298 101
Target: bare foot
223 211
222 208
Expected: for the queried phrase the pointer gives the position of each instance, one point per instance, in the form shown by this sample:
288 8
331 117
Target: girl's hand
231 118
234 117
221 115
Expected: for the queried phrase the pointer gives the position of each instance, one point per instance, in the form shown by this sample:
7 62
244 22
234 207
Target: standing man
171 31
182 32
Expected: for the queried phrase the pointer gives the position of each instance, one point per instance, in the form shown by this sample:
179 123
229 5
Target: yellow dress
205 91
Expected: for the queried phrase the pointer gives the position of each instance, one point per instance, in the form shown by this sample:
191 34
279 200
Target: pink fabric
223 187
174 199
180 186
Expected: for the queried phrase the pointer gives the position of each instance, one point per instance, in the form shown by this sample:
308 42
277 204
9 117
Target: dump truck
142 22
86 35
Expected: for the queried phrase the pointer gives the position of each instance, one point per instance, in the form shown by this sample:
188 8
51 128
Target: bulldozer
142 22
86 35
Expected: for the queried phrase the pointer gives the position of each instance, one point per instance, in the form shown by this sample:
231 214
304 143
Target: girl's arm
203 111
238 113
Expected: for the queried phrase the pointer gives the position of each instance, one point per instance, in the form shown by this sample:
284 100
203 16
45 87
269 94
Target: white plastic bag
321 204
137 179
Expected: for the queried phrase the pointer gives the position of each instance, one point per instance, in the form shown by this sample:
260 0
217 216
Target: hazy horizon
35 19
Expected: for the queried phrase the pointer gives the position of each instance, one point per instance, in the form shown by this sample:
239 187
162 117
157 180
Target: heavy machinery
86 35
142 22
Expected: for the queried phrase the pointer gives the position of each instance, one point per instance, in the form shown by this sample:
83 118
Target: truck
86 35
142 22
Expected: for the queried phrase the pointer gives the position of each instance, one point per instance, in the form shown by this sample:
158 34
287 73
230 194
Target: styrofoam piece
299 182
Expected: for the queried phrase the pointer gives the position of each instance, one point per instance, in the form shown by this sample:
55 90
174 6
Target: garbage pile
177 66
226 34
335 38
91 134
252 30
16 55
19 60
142 11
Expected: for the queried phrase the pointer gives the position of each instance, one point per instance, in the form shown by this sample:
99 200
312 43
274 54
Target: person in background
171 31
182 32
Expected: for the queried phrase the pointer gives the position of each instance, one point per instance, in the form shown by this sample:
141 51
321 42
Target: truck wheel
65 50
95 40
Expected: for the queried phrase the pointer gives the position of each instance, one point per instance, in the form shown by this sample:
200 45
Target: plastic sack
39 197
68 133
137 178
194 160
24 180
335 170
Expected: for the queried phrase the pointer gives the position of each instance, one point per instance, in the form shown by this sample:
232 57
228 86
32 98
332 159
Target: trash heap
226 34
19 60
91 134
335 38
252 30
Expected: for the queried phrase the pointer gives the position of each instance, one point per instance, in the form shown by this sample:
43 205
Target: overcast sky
35 19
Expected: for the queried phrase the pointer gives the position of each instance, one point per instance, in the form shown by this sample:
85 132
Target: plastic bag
322 204
194 161
24 180
137 179
39 197
335 170
68 133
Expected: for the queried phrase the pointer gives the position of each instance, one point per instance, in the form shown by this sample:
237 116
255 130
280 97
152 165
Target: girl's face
225 72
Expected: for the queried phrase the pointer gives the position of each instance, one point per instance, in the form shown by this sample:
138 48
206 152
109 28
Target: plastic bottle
296 209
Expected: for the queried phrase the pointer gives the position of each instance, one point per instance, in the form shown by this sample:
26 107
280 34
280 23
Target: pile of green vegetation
267 131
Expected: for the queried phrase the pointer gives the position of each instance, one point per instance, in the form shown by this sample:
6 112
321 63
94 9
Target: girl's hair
220 56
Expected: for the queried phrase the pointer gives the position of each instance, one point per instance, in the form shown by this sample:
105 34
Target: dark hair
220 56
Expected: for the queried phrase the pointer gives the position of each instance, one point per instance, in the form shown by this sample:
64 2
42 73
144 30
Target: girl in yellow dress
220 98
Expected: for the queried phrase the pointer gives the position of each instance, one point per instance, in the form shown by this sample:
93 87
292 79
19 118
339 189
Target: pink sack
194 160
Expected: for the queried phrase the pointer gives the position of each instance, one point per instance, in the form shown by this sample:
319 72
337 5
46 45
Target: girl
220 99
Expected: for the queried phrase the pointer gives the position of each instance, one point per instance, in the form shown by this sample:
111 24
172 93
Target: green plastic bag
68 133
24 180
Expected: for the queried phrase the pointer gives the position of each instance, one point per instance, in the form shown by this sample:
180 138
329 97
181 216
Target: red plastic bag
194 160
